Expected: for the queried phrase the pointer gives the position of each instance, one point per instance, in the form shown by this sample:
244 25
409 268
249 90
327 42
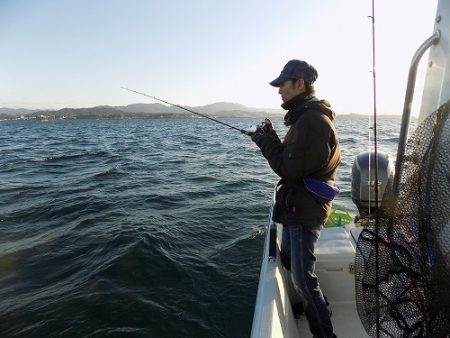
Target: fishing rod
377 248
189 110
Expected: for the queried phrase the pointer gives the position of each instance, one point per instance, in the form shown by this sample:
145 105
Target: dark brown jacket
310 149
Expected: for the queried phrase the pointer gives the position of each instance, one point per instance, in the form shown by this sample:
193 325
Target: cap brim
278 81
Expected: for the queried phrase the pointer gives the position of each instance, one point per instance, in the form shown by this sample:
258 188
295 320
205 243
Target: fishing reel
265 126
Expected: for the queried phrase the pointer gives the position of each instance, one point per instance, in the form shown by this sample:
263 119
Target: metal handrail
434 39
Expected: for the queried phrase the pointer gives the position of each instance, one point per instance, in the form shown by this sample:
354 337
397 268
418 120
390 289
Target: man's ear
300 84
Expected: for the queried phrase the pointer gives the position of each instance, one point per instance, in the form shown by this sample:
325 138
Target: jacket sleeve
306 151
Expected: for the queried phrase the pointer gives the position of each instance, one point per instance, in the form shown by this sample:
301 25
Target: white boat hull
335 253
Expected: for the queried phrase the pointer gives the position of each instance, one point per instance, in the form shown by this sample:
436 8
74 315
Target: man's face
290 89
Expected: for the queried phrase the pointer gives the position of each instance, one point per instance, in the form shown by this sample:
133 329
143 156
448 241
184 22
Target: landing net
407 292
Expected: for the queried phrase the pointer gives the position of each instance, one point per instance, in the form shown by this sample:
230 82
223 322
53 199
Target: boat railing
434 39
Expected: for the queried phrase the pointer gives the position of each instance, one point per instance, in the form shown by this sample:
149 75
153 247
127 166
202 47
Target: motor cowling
363 180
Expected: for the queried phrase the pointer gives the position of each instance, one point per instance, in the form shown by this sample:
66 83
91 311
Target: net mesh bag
403 254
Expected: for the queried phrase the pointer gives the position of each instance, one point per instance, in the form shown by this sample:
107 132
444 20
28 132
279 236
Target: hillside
155 110
136 111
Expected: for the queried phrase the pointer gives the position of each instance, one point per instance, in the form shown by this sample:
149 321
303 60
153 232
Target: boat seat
333 234
334 244
335 253
334 249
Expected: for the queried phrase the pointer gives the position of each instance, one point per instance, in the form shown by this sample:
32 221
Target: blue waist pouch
320 188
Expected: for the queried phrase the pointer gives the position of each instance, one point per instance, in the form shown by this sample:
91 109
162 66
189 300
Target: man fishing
307 161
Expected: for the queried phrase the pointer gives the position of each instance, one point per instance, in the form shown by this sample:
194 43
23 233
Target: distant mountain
149 108
221 106
138 110
214 108
227 106
156 110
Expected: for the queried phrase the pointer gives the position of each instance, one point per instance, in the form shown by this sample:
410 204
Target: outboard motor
363 180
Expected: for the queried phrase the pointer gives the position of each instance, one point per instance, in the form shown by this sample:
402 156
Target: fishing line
189 110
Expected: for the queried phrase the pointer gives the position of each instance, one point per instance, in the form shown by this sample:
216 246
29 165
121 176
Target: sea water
140 228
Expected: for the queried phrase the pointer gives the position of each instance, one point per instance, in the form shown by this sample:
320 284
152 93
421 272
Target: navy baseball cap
296 69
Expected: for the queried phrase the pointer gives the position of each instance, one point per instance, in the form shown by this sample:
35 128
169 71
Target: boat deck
343 319
335 256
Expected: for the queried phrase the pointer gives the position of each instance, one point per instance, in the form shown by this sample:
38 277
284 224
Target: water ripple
146 228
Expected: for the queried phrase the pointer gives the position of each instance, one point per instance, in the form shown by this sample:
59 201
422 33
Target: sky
78 53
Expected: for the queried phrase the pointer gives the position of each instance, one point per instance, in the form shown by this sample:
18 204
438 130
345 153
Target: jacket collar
295 107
